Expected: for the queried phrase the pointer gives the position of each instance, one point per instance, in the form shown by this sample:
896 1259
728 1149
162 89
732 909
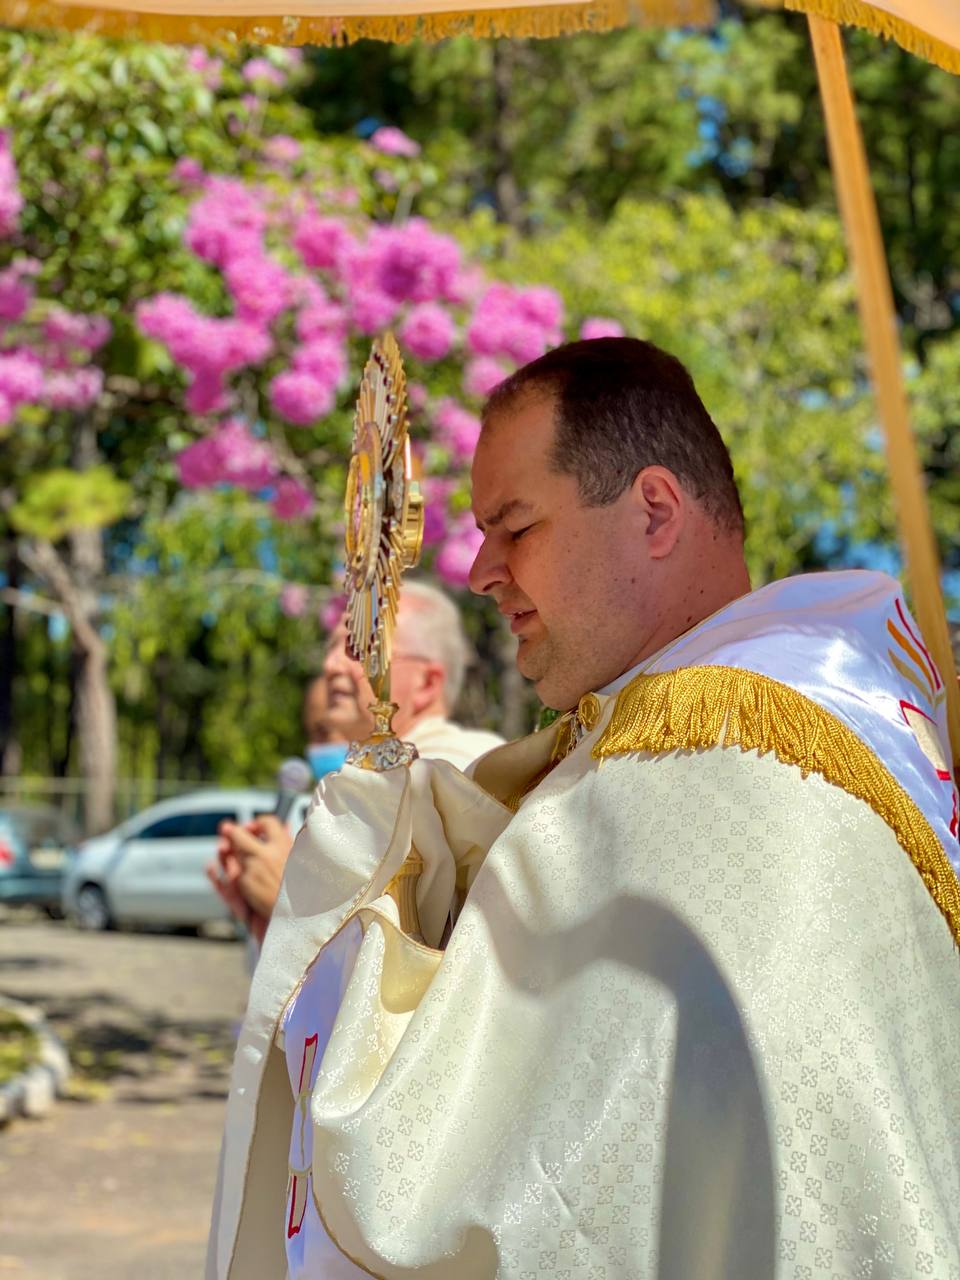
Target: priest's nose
488 570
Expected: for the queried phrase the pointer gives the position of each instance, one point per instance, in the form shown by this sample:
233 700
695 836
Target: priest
673 991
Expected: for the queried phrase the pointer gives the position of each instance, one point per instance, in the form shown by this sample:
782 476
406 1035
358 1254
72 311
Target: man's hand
250 862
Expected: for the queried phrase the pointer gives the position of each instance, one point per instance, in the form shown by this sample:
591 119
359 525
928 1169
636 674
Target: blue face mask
326 757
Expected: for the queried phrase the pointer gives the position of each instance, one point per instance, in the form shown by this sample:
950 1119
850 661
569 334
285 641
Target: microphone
294 777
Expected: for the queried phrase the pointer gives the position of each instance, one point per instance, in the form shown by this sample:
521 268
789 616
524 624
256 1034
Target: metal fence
69 794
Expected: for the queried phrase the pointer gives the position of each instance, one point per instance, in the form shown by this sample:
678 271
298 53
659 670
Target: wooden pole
858 209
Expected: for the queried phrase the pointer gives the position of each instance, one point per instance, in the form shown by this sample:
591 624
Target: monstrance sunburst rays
384 533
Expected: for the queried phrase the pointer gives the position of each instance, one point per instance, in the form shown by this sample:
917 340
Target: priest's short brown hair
621 405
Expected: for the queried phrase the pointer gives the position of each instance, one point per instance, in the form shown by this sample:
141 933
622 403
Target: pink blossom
75 389
291 500
294 599
321 317
259 70
206 393
189 172
481 376
517 323
11 201
67 329
599 327
386 180
394 142
436 492
324 359
301 398
21 377
201 342
428 331
231 455
457 429
321 242
261 288
282 149
458 553
332 612
227 222
417 396
469 286
412 262
345 197
542 305
209 69
371 310
16 295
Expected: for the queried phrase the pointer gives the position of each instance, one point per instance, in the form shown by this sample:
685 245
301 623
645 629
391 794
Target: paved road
116 1182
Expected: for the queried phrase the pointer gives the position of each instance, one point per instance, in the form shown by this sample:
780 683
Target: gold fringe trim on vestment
700 707
857 13
540 21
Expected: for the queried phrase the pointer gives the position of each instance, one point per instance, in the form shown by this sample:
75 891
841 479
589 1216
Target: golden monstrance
383 507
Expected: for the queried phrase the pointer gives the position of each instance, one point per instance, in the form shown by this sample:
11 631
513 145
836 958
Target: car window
183 826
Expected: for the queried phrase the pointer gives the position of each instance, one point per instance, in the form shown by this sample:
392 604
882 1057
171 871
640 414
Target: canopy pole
858 209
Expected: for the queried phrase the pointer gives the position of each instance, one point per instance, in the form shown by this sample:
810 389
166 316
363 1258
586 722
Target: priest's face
568 576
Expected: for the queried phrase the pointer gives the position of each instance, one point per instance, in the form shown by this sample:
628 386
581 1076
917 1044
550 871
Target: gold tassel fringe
699 707
857 13
542 22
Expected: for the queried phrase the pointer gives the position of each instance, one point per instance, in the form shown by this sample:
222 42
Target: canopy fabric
336 22
928 28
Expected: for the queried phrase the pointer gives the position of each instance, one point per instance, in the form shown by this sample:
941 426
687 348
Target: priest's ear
659 505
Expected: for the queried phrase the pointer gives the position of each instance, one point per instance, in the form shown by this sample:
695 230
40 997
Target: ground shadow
112 1041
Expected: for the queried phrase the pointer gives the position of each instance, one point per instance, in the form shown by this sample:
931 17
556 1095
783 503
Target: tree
633 114
92 219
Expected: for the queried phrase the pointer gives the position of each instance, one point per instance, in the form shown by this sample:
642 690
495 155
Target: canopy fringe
540 22
702 707
855 13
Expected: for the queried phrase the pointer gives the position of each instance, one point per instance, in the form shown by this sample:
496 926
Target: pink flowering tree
49 379
89 223
190 278
309 278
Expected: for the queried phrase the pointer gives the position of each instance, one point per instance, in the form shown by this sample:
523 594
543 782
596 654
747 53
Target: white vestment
699 1018
309 1019
439 739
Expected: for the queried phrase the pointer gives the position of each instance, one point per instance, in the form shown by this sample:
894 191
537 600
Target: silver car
151 869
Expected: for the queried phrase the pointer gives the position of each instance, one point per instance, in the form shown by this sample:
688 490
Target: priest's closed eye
517 534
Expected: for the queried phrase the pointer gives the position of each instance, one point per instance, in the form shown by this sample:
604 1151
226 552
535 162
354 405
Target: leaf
57 501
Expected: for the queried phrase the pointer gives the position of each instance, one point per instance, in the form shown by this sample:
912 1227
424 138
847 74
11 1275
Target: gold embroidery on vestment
699 707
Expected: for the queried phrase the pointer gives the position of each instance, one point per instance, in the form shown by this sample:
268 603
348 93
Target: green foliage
581 123
935 399
55 502
677 183
759 307
19 1046
207 669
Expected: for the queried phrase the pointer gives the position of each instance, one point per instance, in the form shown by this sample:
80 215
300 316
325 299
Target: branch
42 558
30 602
229 578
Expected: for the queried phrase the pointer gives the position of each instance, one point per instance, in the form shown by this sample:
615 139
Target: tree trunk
97 737
75 583
9 747
96 711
